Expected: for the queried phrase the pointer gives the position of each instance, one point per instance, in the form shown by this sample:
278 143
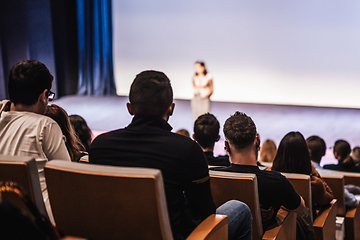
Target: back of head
27 80
150 93
342 149
82 130
268 151
206 130
292 155
183 132
240 130
317 148
355 154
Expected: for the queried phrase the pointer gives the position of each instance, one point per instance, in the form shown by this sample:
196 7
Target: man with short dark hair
342 152
149 142
24 130
242 144
206 133
317 149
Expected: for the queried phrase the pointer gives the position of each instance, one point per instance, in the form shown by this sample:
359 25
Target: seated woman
82 130
72 142
293 157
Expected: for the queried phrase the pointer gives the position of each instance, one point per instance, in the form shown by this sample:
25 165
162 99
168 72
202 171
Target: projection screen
273 52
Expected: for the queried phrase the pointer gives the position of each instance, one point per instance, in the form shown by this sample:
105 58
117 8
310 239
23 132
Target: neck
24 108
244 157
210 149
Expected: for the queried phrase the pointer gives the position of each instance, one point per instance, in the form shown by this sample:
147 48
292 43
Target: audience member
149 142
24 130
293 157
355 154
317 149
342 152
242 144
82 130
183 132
268 151
206 133
72 142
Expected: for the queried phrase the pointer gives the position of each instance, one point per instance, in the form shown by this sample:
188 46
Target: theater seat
227 186
104 202
325 220
23 171
352 216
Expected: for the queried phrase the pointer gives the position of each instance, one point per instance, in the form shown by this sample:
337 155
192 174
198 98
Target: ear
130 110
171 109
227 147
257 142
218 138
43 98
193 136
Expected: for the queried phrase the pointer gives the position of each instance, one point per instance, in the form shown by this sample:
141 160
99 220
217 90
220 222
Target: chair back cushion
227 186
23 171
108 202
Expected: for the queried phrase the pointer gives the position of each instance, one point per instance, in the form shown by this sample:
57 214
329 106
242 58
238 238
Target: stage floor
272 121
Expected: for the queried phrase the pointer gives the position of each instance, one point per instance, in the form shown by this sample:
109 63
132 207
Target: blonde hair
268 151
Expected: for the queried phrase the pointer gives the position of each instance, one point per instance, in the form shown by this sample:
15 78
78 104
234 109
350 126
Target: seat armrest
213 227
285 229
352 223
325 222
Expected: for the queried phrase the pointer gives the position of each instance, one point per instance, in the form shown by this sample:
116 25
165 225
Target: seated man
149 142
206 133
342 152
242 144
317 149
24 130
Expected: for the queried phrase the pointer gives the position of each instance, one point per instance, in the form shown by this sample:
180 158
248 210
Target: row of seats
103 202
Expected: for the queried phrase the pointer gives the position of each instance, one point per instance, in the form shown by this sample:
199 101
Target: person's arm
53 142
321 192
291 200
197 187
301 207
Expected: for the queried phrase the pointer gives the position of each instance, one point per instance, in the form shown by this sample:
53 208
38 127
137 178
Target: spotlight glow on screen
276 52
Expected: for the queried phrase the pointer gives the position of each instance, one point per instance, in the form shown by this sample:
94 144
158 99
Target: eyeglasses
50 95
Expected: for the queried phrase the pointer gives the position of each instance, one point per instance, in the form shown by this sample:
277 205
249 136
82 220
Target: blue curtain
96 75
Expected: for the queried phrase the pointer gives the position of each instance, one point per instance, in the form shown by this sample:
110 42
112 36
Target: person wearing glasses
24 130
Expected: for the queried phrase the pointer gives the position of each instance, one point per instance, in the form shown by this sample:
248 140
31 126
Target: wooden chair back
227 186
105 202
302 185
325 221
23 171
223 188
336 182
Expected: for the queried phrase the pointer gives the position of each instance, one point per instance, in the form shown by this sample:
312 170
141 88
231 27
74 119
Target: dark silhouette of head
317 148
292 155
150 93
206 130
240 130
341 149
27 80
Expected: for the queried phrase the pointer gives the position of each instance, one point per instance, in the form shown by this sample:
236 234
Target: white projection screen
274 52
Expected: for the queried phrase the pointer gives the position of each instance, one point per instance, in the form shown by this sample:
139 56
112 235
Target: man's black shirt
274 191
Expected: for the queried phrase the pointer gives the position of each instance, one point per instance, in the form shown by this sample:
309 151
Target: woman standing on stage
203 89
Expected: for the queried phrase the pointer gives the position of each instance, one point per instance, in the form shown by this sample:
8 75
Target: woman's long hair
292 155
72 142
